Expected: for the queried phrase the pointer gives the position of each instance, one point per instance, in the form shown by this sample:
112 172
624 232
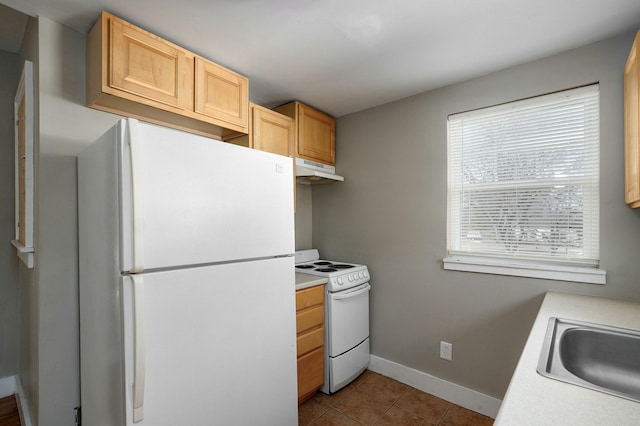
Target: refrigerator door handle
136 195
139 348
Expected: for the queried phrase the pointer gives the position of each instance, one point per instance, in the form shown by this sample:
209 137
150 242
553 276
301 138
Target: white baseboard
23 404
7 386
448 391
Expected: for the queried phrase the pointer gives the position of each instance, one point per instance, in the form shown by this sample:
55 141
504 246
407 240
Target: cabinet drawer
310 341
309 319
309 297
310 372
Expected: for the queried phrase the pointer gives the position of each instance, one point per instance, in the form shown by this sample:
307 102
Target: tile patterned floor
373 399
9 412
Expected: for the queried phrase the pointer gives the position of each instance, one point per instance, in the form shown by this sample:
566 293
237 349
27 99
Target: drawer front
309 297
309 319
310 341
310 372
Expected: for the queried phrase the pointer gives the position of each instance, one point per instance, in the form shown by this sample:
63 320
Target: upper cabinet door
221 94
148 66
631 127
316 135
272 131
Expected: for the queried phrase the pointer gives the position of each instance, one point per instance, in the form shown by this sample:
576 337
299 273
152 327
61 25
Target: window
23 114
523 188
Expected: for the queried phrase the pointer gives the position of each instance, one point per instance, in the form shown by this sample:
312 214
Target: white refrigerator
187 282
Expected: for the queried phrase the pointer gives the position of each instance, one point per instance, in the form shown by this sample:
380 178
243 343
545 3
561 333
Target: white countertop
532 399
306 280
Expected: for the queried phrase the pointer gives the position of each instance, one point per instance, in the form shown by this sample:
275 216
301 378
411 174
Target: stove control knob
366 274
361 275
350 277
340 281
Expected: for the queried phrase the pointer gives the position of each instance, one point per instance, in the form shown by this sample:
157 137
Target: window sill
25 253
512 268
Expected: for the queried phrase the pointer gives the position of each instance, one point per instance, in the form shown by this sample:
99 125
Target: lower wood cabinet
310 374
310 341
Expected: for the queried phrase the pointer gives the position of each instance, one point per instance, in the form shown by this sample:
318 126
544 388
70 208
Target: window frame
24 167
554 269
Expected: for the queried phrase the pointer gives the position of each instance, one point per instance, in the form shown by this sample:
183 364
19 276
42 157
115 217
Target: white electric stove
346 317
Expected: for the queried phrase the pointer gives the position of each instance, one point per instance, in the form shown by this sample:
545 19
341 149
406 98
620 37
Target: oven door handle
348 294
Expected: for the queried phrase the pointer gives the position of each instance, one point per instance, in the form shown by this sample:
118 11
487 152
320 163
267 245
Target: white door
214 339
201 200
348 319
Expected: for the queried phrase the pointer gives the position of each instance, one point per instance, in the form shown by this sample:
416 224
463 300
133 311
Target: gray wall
49 335
390 213
303 217
66 127
29 301
10 68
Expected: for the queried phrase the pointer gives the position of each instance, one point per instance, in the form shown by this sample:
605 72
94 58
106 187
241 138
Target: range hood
311 173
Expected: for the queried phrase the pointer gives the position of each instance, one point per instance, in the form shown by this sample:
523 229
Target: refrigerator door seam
139 348
136 195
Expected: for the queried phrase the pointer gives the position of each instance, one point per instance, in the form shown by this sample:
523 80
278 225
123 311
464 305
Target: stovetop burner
326 265
341 266
340 275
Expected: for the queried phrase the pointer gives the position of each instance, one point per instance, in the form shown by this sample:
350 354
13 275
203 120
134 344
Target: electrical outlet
446 350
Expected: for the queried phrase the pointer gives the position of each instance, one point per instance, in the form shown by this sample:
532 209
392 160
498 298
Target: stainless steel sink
598 357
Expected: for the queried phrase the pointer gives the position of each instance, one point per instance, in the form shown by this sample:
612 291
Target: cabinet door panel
149 67
272 132
221 93
310 372
631 125
316 136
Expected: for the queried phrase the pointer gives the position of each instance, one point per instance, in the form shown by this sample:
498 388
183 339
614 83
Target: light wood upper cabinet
631 126
315 132
147 66
268 131
272 131
221 94
135 73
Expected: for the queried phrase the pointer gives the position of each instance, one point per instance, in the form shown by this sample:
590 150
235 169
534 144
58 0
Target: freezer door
213 339
188 200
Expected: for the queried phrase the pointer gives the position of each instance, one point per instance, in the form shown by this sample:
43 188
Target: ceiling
343 56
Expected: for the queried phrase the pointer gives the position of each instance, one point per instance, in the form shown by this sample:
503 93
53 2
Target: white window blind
523 180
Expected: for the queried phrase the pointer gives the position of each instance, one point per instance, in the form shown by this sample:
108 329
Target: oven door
348 319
